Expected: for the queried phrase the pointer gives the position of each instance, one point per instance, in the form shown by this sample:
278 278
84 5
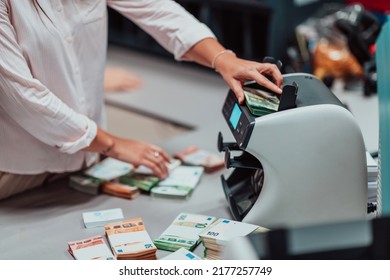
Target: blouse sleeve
166 21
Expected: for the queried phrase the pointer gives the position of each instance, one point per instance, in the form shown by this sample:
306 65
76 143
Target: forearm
234 70
204 52
103 143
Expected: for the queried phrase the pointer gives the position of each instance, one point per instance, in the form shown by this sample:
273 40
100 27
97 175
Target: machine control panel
239 119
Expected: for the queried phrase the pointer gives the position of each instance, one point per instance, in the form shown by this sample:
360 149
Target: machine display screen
235 116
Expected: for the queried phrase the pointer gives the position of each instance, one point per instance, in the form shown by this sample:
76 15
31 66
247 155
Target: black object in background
252 28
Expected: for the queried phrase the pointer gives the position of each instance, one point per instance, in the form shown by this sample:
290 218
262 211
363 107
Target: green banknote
85 183
260 102
183 232
142 181
179 192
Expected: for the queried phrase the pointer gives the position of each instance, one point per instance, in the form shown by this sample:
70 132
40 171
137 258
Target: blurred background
334 40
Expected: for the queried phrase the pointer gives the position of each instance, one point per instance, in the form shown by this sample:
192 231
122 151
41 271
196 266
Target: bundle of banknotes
93 248
143 177
193 155
99 218
183 232
90 181
179 184
215 237
109 169
144 182
120 190
182 254
86 184
260 102
118 178
129 240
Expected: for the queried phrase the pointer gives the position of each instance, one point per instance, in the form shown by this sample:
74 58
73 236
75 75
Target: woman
52 58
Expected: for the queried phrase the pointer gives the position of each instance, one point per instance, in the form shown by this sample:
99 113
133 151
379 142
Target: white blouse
52 60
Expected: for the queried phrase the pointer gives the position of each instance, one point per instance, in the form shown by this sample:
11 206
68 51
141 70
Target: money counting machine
301 165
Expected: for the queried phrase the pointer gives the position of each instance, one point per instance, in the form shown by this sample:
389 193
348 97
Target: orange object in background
331 60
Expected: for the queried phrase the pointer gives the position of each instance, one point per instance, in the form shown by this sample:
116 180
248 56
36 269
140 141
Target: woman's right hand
140 153
131 151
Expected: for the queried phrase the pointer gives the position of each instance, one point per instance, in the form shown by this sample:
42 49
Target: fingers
245 70
274 71
236 87
262 80
159 168
157 160
161 153
139 153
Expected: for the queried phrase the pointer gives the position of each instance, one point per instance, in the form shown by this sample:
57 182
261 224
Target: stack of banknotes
179 184
120 190
183 232
260 102
93 248
99 177
120 179
144 182
143 177
90 181
109 169
129 240
99 218
86 184
182 254
215 237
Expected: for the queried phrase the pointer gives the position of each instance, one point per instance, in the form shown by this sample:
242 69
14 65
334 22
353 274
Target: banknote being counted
260 102
183 232
93 248
129 240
